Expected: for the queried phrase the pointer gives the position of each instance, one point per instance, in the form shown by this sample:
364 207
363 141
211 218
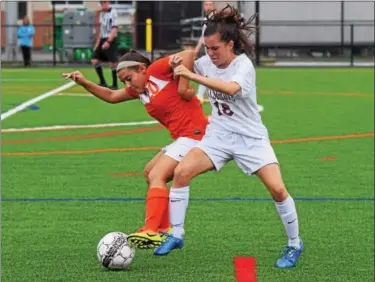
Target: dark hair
232 26
135 56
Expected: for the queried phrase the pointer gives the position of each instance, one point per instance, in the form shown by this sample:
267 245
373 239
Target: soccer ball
114 251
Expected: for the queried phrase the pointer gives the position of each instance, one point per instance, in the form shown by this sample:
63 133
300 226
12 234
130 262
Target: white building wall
357 12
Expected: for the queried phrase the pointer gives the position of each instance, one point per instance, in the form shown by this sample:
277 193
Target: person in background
106 49
25 34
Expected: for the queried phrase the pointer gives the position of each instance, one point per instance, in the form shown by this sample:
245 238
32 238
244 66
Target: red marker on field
245 269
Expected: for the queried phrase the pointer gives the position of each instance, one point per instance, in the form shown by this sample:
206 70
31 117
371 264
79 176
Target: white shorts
179 148
250 154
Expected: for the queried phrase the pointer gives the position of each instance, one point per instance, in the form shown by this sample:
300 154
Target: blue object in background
7 107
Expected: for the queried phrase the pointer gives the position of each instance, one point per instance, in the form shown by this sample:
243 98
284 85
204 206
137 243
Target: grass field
63 190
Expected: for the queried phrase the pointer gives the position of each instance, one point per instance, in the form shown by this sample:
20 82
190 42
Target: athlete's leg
113 66
211 152
98 67
150 165
158 193
193 164
256 156
157 215
285 206
164 224
156 203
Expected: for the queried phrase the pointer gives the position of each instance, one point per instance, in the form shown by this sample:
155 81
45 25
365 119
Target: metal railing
275 42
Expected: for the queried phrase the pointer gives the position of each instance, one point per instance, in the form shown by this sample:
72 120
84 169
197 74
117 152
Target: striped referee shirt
108 20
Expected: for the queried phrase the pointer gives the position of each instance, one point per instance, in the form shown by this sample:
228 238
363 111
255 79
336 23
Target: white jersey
234 113
108 20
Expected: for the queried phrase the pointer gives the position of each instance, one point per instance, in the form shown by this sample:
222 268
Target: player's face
105 5
220 52
26 20
208 6
134 79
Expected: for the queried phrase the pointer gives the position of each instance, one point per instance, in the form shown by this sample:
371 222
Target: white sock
288 215
201 90
178 203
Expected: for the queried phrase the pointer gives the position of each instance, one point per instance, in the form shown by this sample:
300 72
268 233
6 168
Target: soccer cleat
168 245
145 239
290 256
165 232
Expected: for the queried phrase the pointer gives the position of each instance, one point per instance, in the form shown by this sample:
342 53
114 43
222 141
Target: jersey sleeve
114 19
161 69
198 65
244 76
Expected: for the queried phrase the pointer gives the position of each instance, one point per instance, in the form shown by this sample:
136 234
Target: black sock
114 77
99 71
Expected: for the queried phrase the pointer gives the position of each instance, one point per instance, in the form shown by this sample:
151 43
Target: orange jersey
181 117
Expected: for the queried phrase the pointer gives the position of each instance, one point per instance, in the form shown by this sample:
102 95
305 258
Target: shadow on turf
103 269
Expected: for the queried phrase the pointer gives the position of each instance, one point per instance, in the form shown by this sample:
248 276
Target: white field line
67 127
36 100
30 79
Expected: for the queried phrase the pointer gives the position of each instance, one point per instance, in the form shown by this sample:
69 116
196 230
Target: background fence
290 33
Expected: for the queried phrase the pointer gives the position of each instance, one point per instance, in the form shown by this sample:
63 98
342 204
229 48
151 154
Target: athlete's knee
154 177
94 62
146 172
112 65
278 192
183 173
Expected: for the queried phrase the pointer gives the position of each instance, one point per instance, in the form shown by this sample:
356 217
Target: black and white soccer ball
114 251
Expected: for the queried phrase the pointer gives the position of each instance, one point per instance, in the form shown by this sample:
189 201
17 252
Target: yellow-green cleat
145 239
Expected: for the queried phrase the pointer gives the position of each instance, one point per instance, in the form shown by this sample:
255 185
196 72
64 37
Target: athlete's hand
105 45
76 76
174 61
182 71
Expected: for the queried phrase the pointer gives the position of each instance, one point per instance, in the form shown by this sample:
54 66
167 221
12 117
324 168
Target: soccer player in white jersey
208 7
235 132
105 49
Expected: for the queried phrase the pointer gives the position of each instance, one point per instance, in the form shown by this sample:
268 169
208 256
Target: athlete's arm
106 94
226 87
98 36
185 58
112 35
103 93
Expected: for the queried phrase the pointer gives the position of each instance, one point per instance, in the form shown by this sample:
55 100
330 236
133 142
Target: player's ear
231 45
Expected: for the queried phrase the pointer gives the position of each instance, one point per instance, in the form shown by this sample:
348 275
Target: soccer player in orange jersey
171 101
